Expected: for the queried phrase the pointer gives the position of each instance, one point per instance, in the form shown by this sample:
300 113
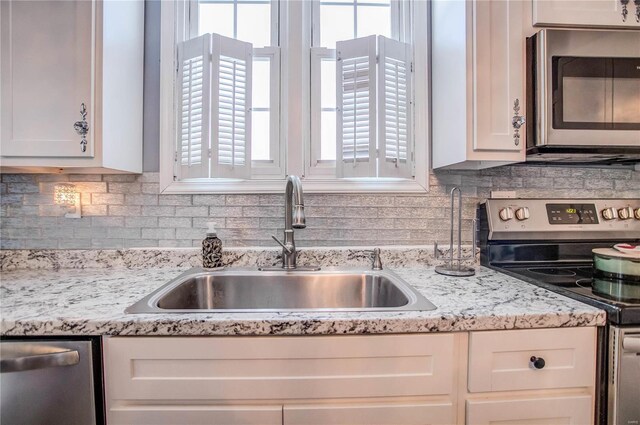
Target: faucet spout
294 205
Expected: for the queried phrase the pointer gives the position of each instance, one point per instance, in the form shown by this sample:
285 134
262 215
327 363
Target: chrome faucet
293 219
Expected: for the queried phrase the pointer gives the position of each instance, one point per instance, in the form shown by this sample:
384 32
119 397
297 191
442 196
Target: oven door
624 376
589 88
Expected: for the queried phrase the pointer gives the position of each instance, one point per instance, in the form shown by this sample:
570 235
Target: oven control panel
562 219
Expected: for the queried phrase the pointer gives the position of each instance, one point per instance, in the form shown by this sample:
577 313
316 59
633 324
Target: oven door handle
36 357
631 343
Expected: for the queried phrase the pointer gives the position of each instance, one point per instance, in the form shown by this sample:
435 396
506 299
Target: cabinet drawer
540 411
500 360
405 413
154 414
236 368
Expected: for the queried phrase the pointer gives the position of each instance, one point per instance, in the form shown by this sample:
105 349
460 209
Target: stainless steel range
549 243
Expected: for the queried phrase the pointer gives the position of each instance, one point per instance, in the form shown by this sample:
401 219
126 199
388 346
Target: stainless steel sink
250 290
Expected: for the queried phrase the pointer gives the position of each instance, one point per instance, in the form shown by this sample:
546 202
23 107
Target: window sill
277 186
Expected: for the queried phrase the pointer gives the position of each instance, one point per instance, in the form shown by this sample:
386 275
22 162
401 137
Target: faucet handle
375 256
286 248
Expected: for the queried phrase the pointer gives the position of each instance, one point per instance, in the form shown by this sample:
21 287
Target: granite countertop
92 302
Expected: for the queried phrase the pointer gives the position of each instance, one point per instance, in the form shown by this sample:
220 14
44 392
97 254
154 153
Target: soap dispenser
211 248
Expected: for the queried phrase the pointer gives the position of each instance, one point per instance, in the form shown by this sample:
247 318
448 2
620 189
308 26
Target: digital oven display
572 214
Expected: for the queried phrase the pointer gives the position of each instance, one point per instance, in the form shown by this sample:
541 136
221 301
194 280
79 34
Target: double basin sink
251 290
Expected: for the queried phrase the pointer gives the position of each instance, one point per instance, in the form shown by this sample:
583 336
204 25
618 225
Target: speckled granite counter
92 302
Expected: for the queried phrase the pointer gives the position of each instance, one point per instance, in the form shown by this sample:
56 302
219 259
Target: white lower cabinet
412 379
317 379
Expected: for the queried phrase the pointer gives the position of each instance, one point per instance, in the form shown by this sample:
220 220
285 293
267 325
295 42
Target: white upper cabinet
477 83
68 68
591 13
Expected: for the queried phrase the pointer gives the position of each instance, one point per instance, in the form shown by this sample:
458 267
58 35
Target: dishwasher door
47 382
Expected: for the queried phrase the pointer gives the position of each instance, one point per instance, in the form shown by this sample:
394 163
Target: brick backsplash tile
141 243
174 222
123 232
95 210
157 233
141 199
225 211
107 221
174 243
122 211
90 232
176 200
18 178
163 211
234 200
107 243
208 200
192 211
125 187
125 210
22 188
144 221
107 199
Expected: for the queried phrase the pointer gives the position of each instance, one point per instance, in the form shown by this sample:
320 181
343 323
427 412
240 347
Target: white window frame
295 111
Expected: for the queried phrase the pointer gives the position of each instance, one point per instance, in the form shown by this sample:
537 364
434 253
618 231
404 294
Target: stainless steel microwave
583 96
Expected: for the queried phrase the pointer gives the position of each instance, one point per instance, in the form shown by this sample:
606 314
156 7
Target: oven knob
609 213
636 212
625 213
506 214
522 213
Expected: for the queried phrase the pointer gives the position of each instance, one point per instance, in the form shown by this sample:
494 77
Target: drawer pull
537 362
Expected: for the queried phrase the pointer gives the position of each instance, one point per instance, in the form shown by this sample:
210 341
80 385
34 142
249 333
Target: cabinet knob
82 128
537 362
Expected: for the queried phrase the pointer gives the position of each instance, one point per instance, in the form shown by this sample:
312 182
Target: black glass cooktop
575 280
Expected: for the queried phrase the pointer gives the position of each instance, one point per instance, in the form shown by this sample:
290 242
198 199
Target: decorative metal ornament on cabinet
517 122
624 10
82 128
637 3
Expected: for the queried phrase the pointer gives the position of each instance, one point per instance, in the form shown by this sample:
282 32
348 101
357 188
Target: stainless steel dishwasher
50 381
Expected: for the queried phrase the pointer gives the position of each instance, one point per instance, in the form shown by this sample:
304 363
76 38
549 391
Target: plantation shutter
356 107
231 62
193 92
394 112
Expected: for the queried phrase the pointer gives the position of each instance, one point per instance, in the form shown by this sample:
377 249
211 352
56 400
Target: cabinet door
574 410
46 67
591 13
379 413
498 57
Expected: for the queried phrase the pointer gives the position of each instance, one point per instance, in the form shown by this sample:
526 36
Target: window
326 89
